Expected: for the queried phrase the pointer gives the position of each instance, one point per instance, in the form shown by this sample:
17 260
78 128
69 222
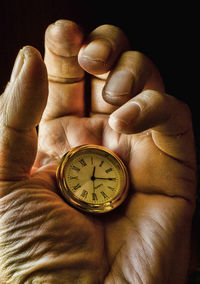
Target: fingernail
98 50
120 83
19 61
125 115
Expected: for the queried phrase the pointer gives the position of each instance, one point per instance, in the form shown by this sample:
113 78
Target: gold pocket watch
93 179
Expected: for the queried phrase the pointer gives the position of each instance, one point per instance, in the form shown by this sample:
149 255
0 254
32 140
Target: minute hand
105 178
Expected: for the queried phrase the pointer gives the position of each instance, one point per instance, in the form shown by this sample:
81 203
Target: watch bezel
84 206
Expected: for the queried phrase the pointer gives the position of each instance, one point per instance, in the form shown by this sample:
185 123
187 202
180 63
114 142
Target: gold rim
84 206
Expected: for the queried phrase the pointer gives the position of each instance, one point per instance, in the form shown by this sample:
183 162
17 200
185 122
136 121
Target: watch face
93 179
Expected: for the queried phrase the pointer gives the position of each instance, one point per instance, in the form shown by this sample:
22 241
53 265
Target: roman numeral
104 194
101 184
108 170
92 160
76 177
94 196
82 162
100 165
75 168
110 187
84 193
76 186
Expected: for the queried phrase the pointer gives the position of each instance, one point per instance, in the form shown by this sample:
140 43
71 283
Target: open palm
146 240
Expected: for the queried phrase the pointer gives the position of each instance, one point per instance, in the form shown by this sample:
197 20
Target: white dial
93 178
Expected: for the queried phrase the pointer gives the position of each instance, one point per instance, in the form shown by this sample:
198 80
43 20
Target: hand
146 240
93 174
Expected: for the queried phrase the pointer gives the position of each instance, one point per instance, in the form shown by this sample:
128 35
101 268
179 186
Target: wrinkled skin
42 238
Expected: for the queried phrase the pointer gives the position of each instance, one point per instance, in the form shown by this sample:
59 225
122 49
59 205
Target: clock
93 179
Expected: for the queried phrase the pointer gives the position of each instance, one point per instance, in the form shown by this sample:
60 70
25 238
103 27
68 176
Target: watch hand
105 178
94 171
92 177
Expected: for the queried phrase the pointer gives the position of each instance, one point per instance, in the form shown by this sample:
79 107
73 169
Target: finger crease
115 93
60 55
18 130
184 163
61 80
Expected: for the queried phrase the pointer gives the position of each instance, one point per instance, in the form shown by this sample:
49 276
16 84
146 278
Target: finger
22 105
63 40
133 73
168 117
98 56
98 104
102 48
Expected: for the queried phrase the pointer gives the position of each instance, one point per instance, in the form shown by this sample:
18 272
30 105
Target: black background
164 31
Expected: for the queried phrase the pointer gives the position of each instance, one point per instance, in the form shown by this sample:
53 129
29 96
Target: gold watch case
93 179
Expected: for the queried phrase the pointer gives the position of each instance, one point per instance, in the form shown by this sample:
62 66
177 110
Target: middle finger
97 56
63 40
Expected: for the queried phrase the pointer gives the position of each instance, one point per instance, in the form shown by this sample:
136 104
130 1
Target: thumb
21 106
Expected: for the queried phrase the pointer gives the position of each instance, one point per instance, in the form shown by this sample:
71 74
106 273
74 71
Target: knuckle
113 34
109 29
154 97
151 98
134 56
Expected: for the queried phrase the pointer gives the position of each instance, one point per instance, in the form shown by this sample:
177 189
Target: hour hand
92 177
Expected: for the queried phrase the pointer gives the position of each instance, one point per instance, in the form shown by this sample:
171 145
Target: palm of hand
140 233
